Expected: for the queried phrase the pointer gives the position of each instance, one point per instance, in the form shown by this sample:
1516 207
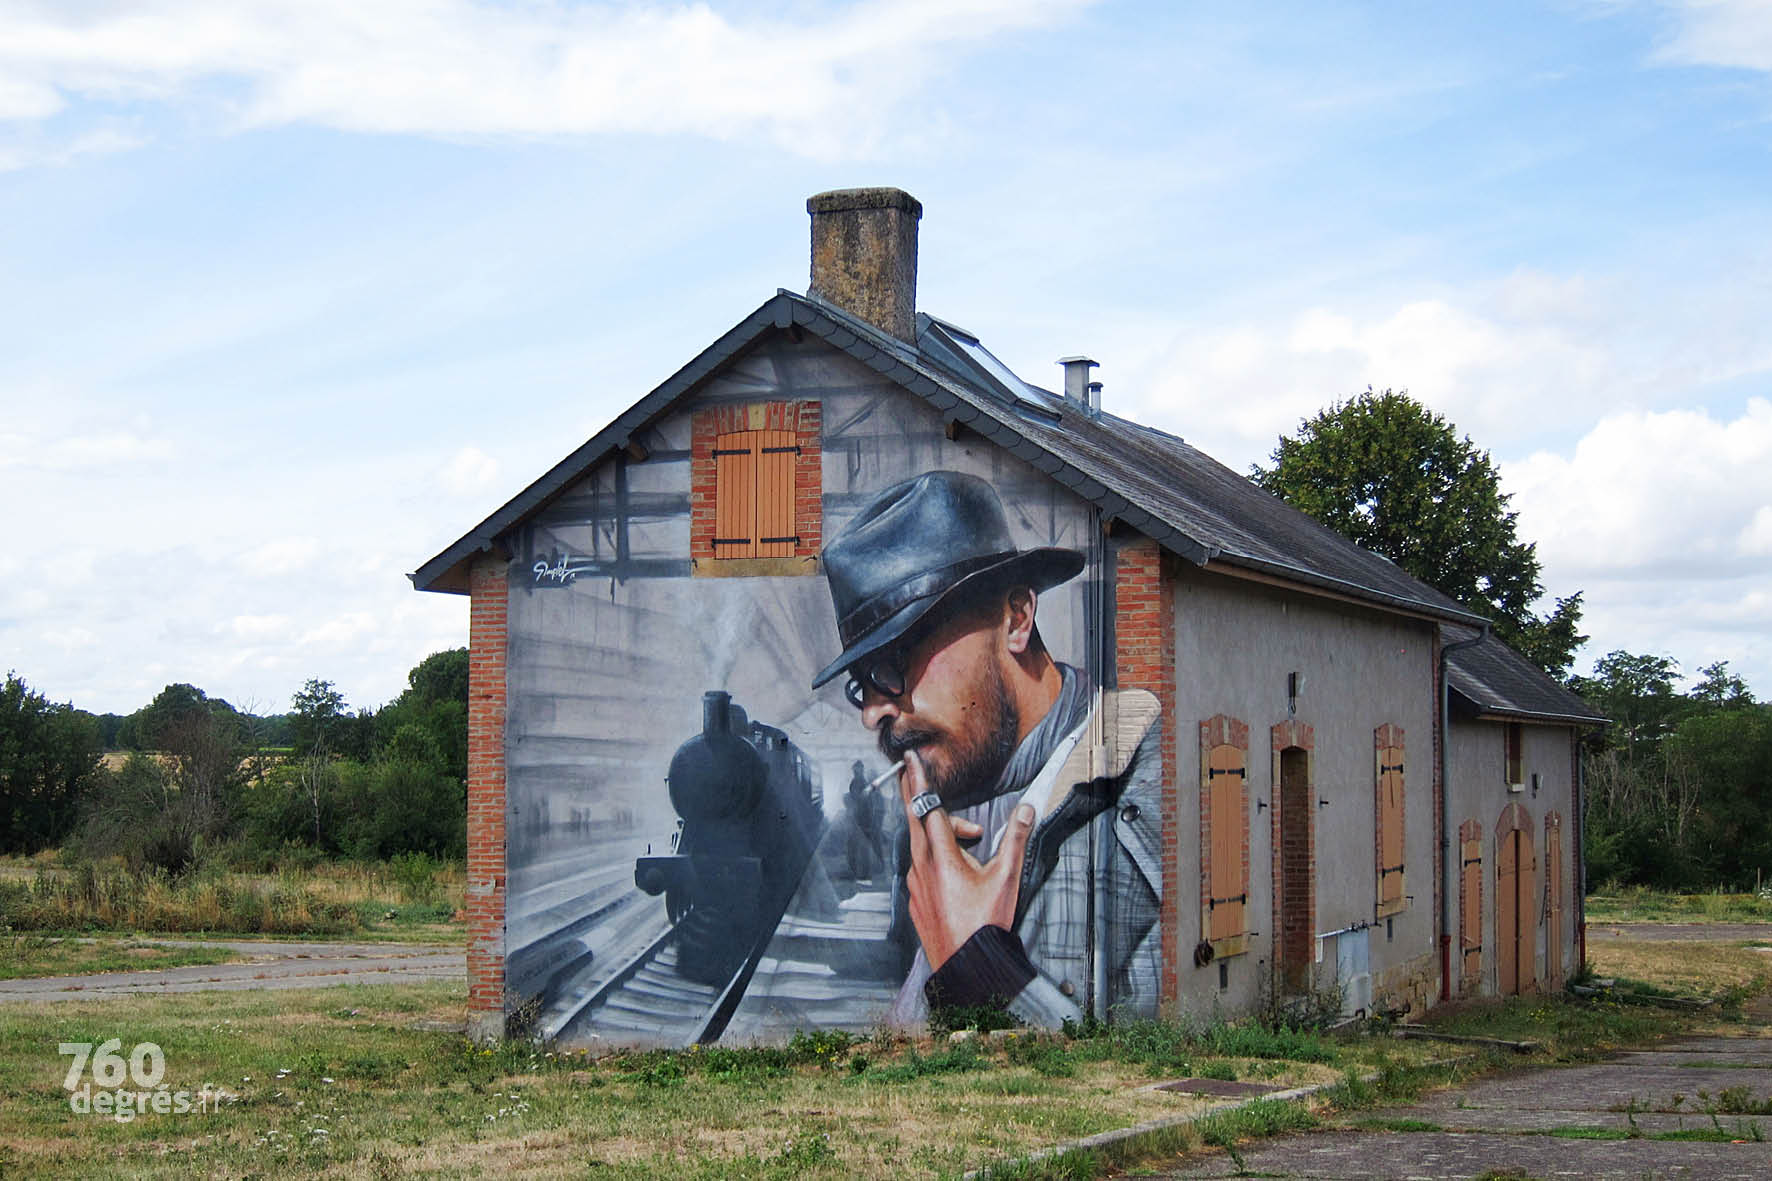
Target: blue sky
296 291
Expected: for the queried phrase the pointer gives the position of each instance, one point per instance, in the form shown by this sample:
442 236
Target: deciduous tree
1388 473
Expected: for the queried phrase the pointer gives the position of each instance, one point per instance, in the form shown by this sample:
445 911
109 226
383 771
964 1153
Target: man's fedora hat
914 545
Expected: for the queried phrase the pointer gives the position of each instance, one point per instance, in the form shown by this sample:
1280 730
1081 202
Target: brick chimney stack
864 255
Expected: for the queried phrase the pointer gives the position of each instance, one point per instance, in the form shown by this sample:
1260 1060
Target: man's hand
951 894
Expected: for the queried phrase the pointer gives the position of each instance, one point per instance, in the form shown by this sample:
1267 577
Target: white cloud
1677 492
1756 538
469 470
814 81
1513 363
80 452
258 627
1733 33
284 556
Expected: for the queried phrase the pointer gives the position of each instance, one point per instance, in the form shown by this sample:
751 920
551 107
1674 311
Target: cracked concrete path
1535 1123
269 965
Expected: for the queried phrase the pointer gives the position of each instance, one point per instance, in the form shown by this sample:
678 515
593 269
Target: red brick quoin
487 639
1144 658
805 419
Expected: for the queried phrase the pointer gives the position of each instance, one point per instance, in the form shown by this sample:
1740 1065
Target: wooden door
1516 913
1526 870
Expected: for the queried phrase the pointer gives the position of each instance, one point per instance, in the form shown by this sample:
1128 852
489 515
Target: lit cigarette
888 773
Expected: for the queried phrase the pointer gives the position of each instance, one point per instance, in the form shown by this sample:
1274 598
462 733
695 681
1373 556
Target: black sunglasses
883 672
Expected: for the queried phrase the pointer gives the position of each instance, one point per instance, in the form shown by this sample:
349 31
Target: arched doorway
1516 903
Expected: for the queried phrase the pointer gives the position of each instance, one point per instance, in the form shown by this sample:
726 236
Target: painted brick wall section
1144 658
487 641
1292 813
805 419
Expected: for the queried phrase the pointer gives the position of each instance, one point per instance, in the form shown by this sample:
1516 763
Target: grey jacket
1041 969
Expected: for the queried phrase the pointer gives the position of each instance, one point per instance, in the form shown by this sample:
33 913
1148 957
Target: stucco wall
1236 643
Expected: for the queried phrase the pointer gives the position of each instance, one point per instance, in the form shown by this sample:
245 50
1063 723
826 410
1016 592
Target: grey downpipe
1100 655
1446 810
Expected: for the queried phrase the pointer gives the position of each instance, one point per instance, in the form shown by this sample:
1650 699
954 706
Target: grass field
340 1080
348 1081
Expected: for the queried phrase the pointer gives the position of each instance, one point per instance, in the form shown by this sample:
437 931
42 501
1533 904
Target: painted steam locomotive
749 824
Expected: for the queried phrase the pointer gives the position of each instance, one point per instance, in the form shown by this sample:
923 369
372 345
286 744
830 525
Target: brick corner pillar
487 646
1144 658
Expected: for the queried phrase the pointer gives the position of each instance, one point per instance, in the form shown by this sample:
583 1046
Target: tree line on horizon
1679 785
204 781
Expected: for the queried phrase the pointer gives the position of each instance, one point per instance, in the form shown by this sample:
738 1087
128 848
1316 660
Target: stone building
672 837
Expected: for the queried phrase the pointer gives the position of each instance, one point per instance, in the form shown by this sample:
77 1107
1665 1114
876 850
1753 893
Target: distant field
50 895
1640 904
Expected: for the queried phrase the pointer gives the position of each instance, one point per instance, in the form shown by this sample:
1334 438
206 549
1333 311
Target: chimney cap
1077 358
838 200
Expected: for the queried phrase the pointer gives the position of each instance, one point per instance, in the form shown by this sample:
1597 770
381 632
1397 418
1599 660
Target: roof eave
447 572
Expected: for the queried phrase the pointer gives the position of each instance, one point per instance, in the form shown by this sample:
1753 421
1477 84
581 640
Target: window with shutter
1389 808
754 494
755 489
1224 833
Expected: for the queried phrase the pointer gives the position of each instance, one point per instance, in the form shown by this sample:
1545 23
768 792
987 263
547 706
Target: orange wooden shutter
1471 922
776 455
1390 825
1226 768
735 495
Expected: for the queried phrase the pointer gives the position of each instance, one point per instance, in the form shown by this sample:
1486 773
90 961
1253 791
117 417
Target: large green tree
1388 473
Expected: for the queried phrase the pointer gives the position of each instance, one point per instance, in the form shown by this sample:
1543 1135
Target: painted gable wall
614 640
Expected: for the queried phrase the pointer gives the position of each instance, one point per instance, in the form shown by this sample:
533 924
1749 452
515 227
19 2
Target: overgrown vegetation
1680 784
411 897
159 840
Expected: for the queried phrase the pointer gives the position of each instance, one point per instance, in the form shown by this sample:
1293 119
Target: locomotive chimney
716 714
864 256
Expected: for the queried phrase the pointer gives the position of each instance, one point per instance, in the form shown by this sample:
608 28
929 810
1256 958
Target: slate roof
1152 481
1492 680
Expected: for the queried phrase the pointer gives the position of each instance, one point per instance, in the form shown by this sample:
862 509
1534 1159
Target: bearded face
963 754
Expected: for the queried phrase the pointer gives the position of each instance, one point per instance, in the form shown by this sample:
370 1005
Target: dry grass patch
337 1081
1686 967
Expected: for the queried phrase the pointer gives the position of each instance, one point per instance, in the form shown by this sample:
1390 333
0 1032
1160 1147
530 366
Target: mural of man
1025 844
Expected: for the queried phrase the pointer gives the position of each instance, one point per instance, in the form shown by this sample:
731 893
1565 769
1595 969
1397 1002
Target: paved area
1680 932
1532 1124
269 965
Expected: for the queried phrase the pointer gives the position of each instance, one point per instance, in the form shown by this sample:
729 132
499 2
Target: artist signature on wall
559 569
